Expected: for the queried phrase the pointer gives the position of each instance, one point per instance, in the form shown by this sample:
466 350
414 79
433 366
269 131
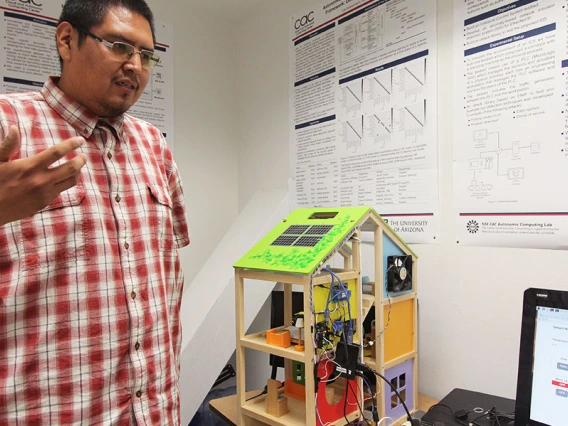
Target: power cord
496 417
264 392
375 339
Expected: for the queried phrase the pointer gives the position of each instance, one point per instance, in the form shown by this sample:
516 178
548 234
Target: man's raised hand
30 184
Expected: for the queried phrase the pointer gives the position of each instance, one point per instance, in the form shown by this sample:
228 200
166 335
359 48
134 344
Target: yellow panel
399 335
339 310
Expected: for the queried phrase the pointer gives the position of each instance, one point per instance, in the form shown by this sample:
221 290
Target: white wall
263 93
206 150
470 297
206 145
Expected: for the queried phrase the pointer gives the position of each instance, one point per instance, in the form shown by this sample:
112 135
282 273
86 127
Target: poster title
335 4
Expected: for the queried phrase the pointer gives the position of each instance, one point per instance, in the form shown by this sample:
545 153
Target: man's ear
65 36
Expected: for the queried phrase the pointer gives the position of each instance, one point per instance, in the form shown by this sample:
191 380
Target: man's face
95 78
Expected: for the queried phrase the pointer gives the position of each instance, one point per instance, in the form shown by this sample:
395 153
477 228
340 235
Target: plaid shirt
90 287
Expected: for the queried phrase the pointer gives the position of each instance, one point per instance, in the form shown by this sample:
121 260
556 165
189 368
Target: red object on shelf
330 413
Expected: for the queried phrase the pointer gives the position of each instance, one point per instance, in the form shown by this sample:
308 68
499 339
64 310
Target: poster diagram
410 80
379 128
362 34
497 160
410 122
351 100
377 91
390 104
350 133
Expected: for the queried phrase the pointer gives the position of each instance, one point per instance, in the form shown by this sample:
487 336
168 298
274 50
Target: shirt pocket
161 217
59 233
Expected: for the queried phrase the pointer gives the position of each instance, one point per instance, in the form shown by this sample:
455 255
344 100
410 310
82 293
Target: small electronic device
399 273
542 383
347 358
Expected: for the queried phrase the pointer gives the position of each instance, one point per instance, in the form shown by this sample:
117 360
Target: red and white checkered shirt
90 287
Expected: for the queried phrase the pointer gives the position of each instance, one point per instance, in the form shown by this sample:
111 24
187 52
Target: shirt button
109 155
85 130
117 198
139 394
137 346
133 295
126 245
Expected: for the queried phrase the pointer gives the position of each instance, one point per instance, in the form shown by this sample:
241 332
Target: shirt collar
81 118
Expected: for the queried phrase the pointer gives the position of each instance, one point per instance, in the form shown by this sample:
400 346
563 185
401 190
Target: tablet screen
542 385
550 369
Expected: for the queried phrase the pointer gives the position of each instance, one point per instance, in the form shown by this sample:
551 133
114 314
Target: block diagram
497 160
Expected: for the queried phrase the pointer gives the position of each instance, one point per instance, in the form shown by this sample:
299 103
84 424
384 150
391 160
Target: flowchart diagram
497 162
362 34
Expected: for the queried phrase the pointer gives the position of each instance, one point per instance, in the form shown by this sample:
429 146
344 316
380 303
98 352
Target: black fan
399 273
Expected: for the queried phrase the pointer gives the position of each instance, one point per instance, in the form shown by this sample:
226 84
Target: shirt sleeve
175 188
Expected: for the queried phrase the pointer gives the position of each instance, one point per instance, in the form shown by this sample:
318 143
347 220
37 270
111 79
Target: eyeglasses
124 51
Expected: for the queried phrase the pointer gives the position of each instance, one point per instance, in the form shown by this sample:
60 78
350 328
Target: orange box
278 337
294 390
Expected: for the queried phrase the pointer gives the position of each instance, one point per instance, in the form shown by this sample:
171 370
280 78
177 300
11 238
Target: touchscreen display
549 401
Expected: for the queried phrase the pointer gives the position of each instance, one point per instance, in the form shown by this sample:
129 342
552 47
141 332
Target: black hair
86 14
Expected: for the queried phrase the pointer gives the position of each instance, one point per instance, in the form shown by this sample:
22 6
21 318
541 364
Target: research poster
511 123
363 111
29 56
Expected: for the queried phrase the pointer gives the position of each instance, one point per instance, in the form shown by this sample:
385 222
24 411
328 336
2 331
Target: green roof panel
303 240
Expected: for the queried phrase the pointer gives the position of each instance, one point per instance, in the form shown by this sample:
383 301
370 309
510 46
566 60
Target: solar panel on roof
296 229
284 240
319 229
309 235
306 241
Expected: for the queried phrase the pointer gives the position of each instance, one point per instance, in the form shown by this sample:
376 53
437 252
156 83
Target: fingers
10 144
67 174
56 152
64 185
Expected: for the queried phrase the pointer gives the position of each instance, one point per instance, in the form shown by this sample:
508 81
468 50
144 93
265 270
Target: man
90 285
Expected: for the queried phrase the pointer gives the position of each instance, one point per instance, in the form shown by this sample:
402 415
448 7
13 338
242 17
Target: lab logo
35 3
304 23
472 227
30 5
304 20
